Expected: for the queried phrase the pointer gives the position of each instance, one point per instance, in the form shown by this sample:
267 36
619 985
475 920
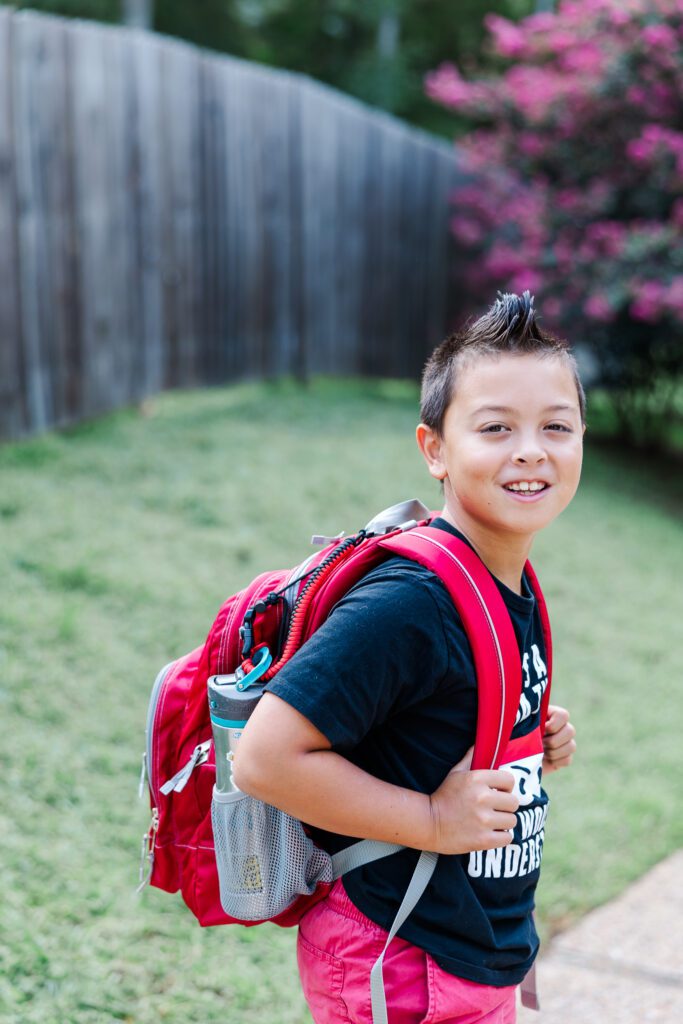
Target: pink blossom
503 260
648 303
674 297
526 278
447 86
467 230
653 139
535 89
508 39
677 213
597 307
568 199
543 21
639 150
636 95
619 17
559 41
660 36
552 308
531 144
587 59
609 237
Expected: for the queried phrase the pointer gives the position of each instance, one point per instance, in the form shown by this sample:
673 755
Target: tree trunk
387 35
138 13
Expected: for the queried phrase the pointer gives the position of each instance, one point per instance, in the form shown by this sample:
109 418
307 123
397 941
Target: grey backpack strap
424 869
362 852
529 991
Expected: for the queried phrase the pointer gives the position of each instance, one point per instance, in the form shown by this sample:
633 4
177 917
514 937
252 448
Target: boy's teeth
524 486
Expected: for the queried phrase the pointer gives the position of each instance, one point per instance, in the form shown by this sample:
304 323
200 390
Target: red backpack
275 615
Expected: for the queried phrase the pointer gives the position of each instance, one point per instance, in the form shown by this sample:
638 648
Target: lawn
119 541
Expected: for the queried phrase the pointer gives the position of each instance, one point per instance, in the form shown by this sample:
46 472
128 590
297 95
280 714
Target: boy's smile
511 447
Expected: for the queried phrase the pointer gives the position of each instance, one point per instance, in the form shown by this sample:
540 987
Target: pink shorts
336 950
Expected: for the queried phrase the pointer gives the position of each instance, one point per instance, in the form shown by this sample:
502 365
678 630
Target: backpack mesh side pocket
263 856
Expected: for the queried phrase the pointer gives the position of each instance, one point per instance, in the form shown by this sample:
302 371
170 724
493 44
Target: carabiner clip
260 666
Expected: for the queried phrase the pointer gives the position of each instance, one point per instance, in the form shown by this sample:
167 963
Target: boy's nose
529 453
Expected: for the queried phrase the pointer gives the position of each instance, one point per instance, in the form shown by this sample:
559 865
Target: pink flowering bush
573 183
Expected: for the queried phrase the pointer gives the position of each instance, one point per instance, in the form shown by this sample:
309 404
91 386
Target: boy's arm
284 760
559 745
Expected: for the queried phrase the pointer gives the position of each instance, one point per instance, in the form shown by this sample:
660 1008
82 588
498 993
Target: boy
367 731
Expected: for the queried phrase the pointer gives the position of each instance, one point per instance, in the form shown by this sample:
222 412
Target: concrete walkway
623 963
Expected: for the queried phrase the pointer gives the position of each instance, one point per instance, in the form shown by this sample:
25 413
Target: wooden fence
169 217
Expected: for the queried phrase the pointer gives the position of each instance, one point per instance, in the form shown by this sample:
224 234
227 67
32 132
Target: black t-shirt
389 680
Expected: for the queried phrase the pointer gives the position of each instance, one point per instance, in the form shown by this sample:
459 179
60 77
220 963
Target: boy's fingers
557 718
557 739
558 753
506 801
505 822
500 837
499 779
551 766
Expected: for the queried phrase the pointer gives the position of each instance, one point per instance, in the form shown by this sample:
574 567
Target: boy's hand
558 742
473 810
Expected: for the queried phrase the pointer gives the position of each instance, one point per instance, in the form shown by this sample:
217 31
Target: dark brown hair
509 326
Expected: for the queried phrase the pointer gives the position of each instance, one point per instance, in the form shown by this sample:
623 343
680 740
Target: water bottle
230 709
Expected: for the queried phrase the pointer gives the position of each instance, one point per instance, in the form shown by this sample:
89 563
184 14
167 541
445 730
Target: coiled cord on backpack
303 601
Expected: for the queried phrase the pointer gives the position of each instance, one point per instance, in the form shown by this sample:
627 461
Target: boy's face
510 454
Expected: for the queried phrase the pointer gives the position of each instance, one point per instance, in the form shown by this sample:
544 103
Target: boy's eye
498 428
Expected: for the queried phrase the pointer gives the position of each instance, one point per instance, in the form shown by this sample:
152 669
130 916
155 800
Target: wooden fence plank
270 102
176 218
349 239
220 286
181 210
94 214
318 157
29 52
145 279
124 310
12 408
50 150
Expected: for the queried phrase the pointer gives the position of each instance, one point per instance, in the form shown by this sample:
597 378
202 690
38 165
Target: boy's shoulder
401 598
397 579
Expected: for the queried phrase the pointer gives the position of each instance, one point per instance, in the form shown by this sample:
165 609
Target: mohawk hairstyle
509 326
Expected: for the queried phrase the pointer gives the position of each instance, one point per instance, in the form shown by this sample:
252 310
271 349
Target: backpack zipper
147 851
177 783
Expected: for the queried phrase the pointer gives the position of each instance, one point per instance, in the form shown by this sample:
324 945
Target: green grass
119 541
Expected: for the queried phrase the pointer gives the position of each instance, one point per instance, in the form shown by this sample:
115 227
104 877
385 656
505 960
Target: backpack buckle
246 630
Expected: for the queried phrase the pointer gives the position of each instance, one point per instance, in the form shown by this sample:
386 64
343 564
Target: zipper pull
143 775
181 778
147 851
320 540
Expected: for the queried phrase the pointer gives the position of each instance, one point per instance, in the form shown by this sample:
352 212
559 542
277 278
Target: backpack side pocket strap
362 852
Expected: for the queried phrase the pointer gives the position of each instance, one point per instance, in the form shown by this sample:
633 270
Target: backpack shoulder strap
547 638
488 627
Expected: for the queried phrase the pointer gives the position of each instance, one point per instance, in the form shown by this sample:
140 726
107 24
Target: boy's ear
429 443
